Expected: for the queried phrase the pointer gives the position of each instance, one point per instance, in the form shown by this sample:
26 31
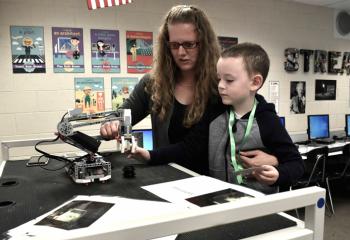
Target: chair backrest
346 155
346 150
315 164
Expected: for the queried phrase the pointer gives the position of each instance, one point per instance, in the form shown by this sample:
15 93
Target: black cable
58 158
50 156
47 154
56 169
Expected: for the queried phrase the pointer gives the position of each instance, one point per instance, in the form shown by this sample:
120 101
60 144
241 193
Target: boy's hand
110 130
267 175
256 158
140 152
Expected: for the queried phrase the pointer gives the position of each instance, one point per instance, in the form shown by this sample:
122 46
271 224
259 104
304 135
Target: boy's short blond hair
255 58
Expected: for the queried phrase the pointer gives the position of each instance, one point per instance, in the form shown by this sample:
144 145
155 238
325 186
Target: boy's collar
246 115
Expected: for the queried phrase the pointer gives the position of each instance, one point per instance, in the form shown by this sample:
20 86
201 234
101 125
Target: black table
28 192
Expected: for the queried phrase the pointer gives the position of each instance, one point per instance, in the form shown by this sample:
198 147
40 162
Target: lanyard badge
237 166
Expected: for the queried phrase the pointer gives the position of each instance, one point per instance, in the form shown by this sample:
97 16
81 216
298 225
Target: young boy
247 122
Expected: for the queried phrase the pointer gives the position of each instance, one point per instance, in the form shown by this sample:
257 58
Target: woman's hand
257 158
268 174
140 152
110 130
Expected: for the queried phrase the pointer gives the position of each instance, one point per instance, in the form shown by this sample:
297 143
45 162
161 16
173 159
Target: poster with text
28 49
105 53
226 42
68 50
121 89
89 94
274 93
139 47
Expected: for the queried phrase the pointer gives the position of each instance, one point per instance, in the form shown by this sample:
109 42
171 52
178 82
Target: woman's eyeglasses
185 45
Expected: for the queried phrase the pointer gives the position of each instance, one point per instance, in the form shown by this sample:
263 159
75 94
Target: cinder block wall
32 104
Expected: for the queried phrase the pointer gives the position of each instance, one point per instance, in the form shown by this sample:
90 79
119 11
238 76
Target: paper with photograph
76 214
85 215
219 197
179 191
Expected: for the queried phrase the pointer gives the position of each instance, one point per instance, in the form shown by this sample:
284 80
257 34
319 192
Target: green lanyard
234 162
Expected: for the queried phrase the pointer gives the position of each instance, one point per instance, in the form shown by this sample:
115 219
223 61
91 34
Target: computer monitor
347 125
146 138
283 121
318 126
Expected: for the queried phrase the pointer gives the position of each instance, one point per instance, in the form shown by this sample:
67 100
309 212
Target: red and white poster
139 51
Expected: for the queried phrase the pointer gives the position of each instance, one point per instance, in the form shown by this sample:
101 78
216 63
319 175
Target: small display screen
347 119
318 126
283 121
146 140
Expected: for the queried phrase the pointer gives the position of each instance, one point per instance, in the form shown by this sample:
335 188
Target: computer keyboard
335 149
309 143
302 142
325 141
316 144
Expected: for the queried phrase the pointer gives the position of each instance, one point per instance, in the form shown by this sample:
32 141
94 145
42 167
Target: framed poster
89 94
68 50
226 42
121 89
28 49
105 53
297 97
139 47
325 89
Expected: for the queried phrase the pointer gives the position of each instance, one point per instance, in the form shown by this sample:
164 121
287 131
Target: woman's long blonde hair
165 70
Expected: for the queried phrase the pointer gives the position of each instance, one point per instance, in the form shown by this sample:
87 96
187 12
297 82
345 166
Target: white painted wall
32 104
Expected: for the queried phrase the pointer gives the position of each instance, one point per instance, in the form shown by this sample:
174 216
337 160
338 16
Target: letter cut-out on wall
320 61
346 63
307 54
291 64
332 62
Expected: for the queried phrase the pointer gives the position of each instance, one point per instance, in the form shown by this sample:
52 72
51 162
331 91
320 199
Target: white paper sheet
177 191
274 91
123 212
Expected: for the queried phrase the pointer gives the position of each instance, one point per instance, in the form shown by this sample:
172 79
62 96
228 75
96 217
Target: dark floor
337 226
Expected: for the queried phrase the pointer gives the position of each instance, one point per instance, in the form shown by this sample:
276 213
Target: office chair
339 167
315 172
346 155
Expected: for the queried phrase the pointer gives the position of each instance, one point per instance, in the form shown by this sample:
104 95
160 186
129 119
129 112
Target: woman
181 91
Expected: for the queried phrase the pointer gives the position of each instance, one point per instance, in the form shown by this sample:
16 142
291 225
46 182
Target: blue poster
121 89
28 51
68 50
89 94
105 53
